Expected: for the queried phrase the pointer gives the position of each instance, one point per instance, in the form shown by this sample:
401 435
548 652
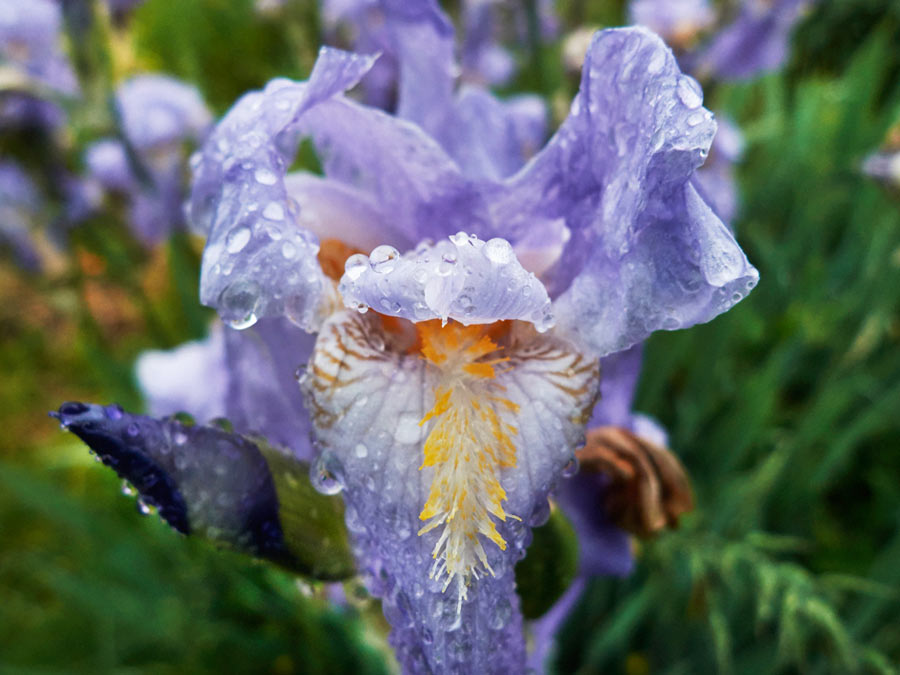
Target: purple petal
30 35
400 166
191 378
755 42
546 628
491 139
619 374
673 20
157 110
107 162
367 401
258 261
262 395
18 214
883 167
245 376
604 549
646 252
460 278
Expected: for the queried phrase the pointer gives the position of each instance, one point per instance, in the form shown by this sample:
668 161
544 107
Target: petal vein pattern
462 428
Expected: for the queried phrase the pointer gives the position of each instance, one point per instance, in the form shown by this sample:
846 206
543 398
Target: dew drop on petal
355 266
383 258
688 92
288 250
265 177
326 473
571 468
498 251
408 429
273 211
237 240
540 514
127 490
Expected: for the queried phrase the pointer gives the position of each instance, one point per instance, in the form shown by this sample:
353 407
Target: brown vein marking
649 488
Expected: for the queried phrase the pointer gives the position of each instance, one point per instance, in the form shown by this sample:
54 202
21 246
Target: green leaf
549 567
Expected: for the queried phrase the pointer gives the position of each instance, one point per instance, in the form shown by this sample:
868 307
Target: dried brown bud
649 488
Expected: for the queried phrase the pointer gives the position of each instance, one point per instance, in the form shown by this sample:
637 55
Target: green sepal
549 567
315 534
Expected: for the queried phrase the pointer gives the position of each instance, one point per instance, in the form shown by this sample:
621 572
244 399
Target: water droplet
459 238
237 239
114 412
273 211
383 258
657 61
127 489
326 474
500 614
355 266
689 92
498 251
132 430
420 275
288 250
238 304
180 438
540 514
361 450
571 468
265 177
408 429
671 323
142 507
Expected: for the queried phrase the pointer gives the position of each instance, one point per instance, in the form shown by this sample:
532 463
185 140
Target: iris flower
448 412
461 312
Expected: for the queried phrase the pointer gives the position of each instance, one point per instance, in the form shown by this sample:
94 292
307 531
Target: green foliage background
786 410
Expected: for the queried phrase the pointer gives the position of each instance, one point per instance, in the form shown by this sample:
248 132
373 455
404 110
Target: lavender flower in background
19 205
717 45
678 22
30 44
755 42
33 68
489 27
160 116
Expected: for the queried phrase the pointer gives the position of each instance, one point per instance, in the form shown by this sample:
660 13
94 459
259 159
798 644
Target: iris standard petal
489 138
400 166
645 251
262 395
457 434
245 376
460 278
258 262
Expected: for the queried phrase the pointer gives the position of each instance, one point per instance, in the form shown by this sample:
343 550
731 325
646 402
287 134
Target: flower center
467 444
